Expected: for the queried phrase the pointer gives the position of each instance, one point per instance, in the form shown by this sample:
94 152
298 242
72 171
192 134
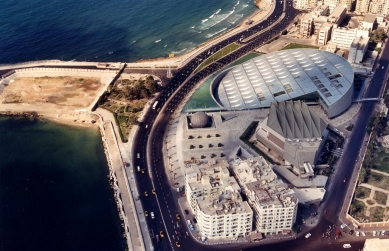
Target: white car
363 233
343 225
346 246
308 235
357 233
152 215
374 233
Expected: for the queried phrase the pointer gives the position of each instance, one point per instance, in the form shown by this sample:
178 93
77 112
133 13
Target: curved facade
200 120
310 75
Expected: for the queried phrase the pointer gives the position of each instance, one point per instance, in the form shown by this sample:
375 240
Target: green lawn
376 214
216 56
380 197
379 180
357 209
362 192
380 159
296 46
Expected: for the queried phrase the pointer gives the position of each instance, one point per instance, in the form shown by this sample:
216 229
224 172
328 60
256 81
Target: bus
155 105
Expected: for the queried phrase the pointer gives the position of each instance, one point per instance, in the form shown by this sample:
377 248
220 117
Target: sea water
113 30
54 190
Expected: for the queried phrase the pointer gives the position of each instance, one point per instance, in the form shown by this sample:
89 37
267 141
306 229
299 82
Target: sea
114 30
54 187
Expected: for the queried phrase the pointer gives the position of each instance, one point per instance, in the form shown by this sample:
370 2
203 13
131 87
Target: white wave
157 41
134 41
245 5
236 4
211 16
217 19
192 27
238 17
204 20
180 51
165 45
217 32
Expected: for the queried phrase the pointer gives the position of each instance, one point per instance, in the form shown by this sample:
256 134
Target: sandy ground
178 61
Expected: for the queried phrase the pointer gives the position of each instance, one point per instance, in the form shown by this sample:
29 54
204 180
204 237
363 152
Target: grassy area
216 56
297 46
357 209
381 159
379 180
376 214
362 192
380 197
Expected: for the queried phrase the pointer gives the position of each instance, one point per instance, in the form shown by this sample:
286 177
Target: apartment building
311 22
324 34
378 7
333 3
343 37
214 196
338 14
306 4
358 49
362 6
368 22
273 203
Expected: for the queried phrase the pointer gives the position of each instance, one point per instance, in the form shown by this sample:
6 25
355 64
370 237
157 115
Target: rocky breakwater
257 3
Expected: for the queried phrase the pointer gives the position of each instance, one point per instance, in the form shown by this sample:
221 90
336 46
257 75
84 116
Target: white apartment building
333 3
362 6
311 22
378 7
214 196
358 49
324 34
338 14
344 37
306 4
368 22
274 204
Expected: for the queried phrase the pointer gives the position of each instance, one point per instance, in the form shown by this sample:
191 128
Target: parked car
374 233
343 226
161 234
178 217
194 220
363 233
346 246
178 244
186 211
308 235
179 234
357 233
152 215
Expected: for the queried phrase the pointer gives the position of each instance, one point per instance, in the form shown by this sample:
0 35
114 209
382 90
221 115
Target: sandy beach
263 10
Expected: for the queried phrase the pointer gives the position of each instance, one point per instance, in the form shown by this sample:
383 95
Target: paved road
165 206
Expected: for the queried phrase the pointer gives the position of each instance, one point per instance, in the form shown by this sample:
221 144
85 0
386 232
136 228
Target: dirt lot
62 91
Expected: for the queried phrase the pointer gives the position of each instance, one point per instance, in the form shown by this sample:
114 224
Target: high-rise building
324 34
273 203
362 6
357 50
333 3
214 196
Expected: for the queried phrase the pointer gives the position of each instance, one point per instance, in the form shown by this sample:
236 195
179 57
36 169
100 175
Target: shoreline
261 11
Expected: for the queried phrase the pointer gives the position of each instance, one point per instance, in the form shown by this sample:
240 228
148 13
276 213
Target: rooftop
369 18
294 120
284 75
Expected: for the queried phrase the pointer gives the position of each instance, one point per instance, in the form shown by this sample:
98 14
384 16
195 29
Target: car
378 233
383 67
382 232
194 220
153 191
146 194
146 213
178 216
346 246
138 155
178 244
161 234
357 233
351 232
191 227
374 233
308 235
363 233
179 234
343 226
142 171
344 180
186 211
152 215
188 221
138 167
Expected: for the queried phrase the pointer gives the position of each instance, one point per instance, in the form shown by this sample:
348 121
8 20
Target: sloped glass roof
285 75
